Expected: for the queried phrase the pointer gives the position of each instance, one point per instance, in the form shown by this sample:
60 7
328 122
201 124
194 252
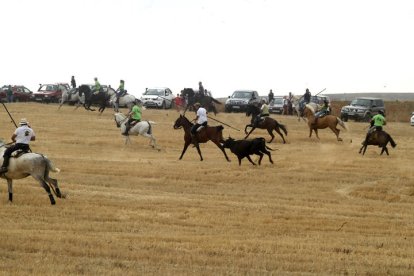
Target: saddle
19 153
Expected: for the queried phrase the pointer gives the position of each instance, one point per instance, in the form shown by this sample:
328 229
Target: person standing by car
9 94
285 106
270 96
200 89
200 120
73 82
134 116
22 137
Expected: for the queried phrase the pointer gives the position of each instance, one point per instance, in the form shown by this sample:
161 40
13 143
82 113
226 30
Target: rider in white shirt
201 121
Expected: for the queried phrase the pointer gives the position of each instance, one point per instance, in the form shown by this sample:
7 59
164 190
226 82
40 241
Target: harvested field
320 209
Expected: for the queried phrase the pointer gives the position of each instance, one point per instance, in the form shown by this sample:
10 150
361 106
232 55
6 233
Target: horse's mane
185 118
310 107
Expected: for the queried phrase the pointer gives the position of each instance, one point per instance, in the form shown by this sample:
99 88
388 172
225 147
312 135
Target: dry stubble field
320 209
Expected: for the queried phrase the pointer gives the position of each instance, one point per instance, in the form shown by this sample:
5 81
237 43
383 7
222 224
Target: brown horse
268 123
378 138
321 123
214 134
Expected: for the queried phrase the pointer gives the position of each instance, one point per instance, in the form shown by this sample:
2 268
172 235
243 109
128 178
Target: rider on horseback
264 112
134 117
324 110
97 87
120 92
376 124
22 137
201 121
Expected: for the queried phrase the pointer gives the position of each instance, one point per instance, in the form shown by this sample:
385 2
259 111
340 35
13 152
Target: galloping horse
323 122
268 123
206 101
209 133
35 164
299 105
100 98
380 139
126 100
143 128
72 96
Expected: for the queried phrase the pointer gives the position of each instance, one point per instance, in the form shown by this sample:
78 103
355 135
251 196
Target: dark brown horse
321 123
378 138
209 133
268 123
206 101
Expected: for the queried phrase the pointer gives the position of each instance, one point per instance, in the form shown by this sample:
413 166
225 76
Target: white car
159 97
412 119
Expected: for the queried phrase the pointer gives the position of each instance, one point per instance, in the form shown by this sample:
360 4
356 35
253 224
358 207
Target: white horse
143 128
72 96
298 105
35 164
127 100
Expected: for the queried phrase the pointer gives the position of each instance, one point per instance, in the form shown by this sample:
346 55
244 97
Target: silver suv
362 109
239 100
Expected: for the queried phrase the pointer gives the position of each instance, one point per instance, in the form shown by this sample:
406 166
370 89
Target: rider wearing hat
22 137
201 120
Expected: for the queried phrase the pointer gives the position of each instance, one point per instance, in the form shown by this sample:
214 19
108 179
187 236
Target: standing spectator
307 96
285 106
290 106
73 82
271 96
179 102
200 89
9 94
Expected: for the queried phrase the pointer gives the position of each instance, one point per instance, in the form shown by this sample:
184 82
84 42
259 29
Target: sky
344 46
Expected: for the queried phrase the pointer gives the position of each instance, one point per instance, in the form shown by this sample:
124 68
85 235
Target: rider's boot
3 168
116 106
127 127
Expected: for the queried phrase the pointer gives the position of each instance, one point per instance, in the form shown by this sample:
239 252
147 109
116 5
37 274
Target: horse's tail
283 127
216 101
341 123
152 122
50 166
393 144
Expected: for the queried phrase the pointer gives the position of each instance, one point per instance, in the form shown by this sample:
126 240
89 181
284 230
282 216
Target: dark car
50 93
276 105
20 93
239 100
362 109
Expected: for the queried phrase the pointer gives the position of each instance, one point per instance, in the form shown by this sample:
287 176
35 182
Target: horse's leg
253 128
384 148
46 187
270 131
222 149
199 152
281 134
316 132
10 188
186 144
54 185
152 139
336 131
310 131
365 148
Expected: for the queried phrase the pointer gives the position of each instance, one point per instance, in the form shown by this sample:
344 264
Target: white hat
23 121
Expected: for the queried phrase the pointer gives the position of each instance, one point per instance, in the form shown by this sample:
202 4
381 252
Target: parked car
362 109
239 99
158 97
50 93
412 119
276 105
20 93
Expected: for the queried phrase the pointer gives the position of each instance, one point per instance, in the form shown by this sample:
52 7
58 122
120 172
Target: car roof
368 98
157 88
241 90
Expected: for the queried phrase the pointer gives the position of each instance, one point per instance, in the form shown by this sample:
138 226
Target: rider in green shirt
134 116
376 124
97 86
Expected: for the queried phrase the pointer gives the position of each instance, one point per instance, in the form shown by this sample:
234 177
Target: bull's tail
341 123
269 148
283 127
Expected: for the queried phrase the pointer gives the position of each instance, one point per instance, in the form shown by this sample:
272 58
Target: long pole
223 123
9 114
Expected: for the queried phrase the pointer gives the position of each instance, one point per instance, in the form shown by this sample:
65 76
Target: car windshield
278 101
156 92
242 94
48 87
361 102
